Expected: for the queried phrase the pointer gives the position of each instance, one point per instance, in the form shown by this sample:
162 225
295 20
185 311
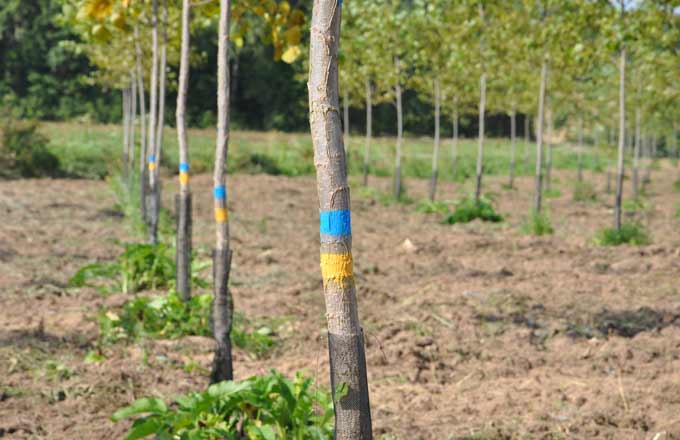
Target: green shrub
584 192
636 204
538 224
23 150
468 210
259 408
433 207
630 233
139 267
168 317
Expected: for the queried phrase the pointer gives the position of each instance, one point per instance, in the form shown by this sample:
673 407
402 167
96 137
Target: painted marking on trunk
183 177
336 267
152 162
220 192
184 167
221 215
337 222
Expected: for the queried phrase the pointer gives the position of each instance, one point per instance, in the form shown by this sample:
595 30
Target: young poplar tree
622 126
142 125
223 307
133 121
538 182
345 336
482 104
151 203
400 131
369 130
183 199
126 131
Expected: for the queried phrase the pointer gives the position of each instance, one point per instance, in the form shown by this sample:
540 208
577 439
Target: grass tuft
538 224
584 192
468 210
630 233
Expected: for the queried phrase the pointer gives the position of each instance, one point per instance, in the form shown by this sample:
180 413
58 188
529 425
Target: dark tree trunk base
433 185
183 254
222 317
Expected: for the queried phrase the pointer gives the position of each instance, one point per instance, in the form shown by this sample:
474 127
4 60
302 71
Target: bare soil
473 331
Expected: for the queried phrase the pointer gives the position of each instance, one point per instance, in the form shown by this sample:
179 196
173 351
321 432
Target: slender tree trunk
636 154
538 185
369 130
152 202
183 199
609 177
454 139
345 125
223 306
527 139
648 168
622 140
513 146
579 173
400 127
435 152
480 149
142 128
126 132
160 117
345 336
133 123
548 151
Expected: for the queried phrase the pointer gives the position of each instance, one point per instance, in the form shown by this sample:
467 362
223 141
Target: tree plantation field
472 331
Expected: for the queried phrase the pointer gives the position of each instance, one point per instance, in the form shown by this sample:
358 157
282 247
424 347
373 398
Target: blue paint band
152 159
184 167
339 2
336 222
220 192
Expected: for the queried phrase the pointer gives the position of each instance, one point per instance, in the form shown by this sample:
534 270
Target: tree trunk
622 140
160 117
345 125
126 132
579 172
183 199
400 125
345 336
538 184
527 138
152 202
480 149
142 128
454 139
513 146
435 152
369 130
223 307
636 154
548 155
133 123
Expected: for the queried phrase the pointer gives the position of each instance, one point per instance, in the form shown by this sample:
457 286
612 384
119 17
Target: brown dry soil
473 331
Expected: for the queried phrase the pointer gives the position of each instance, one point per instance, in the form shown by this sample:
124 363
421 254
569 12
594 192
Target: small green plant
433 207
265 407
630 233
538 224
584 192
168 317
385 199
552 193
23 150
676 185
468 210
636 205
139 267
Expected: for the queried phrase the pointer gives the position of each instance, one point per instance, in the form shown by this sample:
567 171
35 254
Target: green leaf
144 427
144 405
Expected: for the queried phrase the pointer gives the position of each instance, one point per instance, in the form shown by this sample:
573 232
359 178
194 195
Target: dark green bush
468 210
260 408
630 233
23 150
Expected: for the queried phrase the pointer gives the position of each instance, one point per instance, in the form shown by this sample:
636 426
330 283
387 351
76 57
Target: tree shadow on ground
624 323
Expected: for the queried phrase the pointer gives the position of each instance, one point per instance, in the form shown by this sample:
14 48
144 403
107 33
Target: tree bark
345 336
538 184
160 117
435 152
133 123
513 146
579 172
548 153
152 202
397 166
223 307
369 130
527 138
183 199
142 128
636 154
480 149
454 140
126 132
345 125
622 140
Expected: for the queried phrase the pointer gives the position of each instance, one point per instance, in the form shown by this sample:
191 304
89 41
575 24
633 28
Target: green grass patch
552 193
24 152
676 185
538 224
630 233
469 209
264 407
433 207
584 192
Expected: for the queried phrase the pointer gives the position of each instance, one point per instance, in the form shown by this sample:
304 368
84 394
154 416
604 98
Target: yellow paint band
152 166
336 267
183 177
221 215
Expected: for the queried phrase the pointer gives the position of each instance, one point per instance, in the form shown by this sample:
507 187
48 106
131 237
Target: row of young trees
536 57
112 33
